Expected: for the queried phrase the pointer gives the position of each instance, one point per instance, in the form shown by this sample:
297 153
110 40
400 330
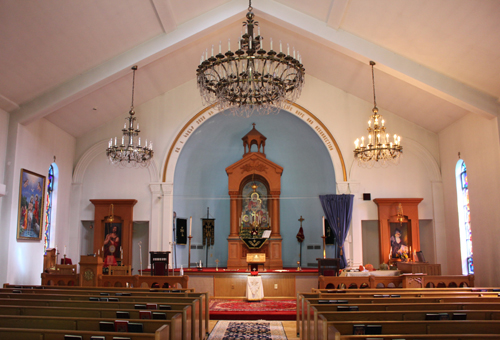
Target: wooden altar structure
254 167
401 214
108 214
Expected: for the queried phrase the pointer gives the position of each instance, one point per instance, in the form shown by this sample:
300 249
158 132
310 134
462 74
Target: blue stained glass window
464 218
48 208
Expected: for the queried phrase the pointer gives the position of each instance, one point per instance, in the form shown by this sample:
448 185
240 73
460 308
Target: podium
90 268
254 259
159 262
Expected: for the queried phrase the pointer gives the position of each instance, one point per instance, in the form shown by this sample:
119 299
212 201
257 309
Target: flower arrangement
403 256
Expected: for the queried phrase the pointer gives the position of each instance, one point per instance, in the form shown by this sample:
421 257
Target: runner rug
221 309
239 330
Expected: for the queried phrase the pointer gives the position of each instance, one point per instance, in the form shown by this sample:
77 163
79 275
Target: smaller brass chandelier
250 79
379 150
130 153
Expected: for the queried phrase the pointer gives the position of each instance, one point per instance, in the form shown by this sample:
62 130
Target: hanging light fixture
250 79
130 153
378 150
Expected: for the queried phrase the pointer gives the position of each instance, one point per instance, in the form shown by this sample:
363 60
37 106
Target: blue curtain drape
338 212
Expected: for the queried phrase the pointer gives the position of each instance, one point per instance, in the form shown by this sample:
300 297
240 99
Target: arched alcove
200 179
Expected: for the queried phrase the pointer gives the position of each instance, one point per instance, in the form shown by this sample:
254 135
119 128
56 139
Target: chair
328 267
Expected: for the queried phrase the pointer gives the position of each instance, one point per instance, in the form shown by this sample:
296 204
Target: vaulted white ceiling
69 61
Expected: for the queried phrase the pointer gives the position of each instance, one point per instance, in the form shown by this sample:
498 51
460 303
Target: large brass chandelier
130 153
250 79
378 150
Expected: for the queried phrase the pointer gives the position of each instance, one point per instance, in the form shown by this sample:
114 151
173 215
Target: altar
254 187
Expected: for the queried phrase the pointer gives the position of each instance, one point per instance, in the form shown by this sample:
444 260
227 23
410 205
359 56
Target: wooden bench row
200 310
403 281
56 279
187 320
334 315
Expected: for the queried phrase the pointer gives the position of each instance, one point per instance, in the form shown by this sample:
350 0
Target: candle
115 141
125 126
220 46
56 249
140 141
212 50
123 140
64 250
271 44
323 226
190 224
229 44
137 126
281 47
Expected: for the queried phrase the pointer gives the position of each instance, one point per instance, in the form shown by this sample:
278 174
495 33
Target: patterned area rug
239 330
221 309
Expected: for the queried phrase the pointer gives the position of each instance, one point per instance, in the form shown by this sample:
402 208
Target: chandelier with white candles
250 78
130 153
378 149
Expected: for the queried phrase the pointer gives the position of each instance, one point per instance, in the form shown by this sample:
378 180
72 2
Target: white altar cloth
255 289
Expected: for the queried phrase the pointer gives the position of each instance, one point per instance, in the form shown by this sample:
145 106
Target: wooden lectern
254 259
90 268
159 263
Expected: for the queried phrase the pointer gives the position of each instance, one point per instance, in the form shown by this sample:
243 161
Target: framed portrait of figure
31 206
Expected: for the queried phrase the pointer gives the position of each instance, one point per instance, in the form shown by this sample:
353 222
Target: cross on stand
299 263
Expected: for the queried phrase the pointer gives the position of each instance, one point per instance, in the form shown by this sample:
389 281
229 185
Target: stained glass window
464 218
48 208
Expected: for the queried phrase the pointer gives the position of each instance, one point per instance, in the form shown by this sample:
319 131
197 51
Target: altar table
255 289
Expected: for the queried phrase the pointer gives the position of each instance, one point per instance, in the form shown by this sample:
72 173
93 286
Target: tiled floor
289 326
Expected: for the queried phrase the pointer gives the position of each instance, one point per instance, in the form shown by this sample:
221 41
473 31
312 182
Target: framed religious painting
31 206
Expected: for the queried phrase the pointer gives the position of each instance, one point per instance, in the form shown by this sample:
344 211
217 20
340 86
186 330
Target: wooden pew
373 317
199 301
175 319
304 305
408 292
204 313
80 288
184 308
307 314
57 334
70 323
331 329
404 281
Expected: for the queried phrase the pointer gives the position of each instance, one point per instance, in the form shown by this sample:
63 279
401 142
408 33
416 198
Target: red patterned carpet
222 309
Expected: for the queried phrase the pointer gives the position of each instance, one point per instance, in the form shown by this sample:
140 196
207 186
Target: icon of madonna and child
254 215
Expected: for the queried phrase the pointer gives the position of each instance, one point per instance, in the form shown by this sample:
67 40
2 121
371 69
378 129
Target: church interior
220 191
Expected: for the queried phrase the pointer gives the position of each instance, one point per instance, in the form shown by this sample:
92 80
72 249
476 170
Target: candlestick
190 224
189 252
323 226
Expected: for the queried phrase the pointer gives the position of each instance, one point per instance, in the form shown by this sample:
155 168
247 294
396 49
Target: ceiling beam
337 11
396 65
163 9
120 65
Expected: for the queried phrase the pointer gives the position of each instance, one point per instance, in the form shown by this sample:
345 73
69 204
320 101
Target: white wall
345 116
4 130
35 147
476 138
